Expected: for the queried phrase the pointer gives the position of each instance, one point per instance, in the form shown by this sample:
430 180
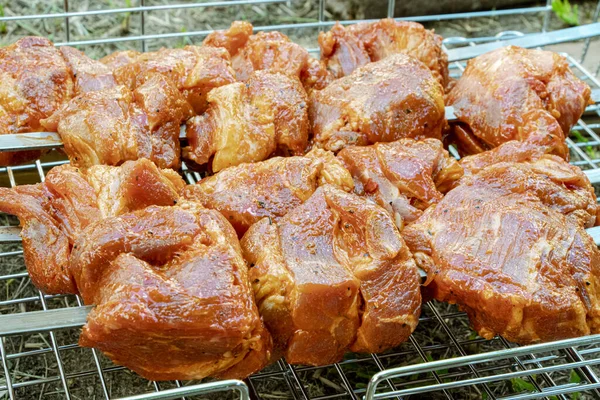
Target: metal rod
481 358
304 25
42 141
54 343
321 14
197 390
11 392
391 8
67 26
52 140
587 42
10 234
586 371
42 321
423 356
97 361
546 377
551 392
547 15
143 21
528 41
138 9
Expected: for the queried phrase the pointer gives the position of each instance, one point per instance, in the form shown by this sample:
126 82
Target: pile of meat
328 187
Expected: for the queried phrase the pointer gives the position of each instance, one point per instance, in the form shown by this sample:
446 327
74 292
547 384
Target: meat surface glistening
512 151
516 94
250 122
404 177
271 51
114 125
36 81
383 101
54 213
343 49
194 70
119 58
508 246
248 192
580 196
88 75
332 275
172 295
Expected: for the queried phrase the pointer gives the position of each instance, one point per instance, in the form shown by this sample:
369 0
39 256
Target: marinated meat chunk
36 82
119 58
271 51
250 122
516 94
508 246
333 275
404 177
246 193
194 70
172 295
343 49
88 75
381 102
54 213
114 125
513 151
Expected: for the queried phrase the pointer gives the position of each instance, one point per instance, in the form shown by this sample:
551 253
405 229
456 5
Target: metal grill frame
478 372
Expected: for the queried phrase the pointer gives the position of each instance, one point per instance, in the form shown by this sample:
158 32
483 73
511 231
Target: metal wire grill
444 358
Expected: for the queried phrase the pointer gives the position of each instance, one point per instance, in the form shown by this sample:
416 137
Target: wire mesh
444 358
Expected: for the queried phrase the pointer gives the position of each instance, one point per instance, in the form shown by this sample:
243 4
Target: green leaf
520 385
184 39
579 138
439 371
566 12
125 22
2 24
575 378
590 151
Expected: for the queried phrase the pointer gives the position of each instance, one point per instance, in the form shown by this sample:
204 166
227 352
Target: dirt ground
41 363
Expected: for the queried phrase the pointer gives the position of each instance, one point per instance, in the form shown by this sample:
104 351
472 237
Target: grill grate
443 359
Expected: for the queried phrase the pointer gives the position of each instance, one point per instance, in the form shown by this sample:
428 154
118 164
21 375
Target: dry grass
208 18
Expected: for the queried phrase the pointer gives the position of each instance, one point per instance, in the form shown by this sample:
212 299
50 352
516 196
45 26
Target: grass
2 24
566 12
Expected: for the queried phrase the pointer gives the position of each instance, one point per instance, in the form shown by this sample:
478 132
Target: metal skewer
528 41
41 141
39 321
48 320
52 140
